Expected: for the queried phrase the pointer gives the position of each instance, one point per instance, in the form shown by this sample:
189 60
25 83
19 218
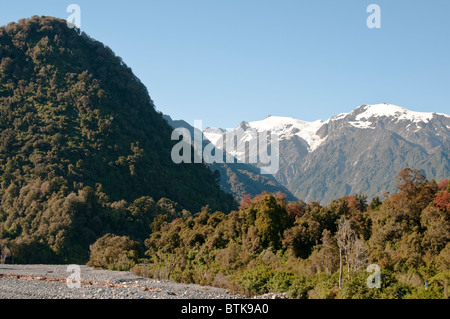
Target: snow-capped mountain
285 127
366 112
351 152
238 179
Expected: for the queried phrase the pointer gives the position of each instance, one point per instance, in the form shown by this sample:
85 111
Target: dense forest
304 250
83 151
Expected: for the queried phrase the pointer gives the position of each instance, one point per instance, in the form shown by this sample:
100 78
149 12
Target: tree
114 252
351 247
344 238
271 220
295 210
4 253
357 255
325 257
410 181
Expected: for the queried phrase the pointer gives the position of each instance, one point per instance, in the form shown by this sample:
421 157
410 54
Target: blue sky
227 61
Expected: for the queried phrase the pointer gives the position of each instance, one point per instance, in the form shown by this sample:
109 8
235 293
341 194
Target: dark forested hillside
82 149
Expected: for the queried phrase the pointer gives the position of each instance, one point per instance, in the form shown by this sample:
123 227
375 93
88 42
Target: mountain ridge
238 179
313 167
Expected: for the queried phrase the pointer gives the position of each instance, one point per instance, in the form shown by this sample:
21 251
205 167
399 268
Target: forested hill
82 149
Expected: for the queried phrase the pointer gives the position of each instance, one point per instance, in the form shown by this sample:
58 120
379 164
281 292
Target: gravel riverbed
49 282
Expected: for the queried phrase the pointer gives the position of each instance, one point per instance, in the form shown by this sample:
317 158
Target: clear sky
225 61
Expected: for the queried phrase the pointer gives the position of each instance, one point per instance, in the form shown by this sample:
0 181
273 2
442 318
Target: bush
300 287
262 279
255 281
321 286
280 281
356 287
438 287
114 253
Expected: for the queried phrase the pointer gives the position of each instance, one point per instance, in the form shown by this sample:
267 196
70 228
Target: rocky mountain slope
238 179
353 152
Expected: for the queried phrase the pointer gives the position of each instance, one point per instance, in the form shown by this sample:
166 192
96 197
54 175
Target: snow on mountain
363 117
213 134
390 110
337 117
361 124
285 127
288 127
350 152
366 116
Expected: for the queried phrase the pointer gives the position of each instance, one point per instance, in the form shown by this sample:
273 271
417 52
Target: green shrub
300 287
114 253
280 281
322 286
356 287
255 280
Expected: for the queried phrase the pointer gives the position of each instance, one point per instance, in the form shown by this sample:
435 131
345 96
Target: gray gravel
96 284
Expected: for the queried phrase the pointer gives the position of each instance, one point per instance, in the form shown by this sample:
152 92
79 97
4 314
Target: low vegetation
314 251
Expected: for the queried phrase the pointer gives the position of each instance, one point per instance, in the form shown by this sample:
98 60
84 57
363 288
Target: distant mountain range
356 152
238 179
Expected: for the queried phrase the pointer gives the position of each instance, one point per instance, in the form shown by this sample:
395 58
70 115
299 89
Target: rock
272 295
